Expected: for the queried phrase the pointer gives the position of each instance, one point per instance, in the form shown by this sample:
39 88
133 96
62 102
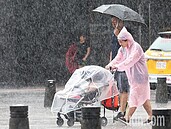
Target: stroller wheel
103 121
70 122
60 121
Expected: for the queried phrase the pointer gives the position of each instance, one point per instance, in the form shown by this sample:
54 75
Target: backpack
111 103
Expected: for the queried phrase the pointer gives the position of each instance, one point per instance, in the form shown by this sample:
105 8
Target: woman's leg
131 111
147 107
123 101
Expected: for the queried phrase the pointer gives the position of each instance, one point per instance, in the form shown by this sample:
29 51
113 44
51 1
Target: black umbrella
120 11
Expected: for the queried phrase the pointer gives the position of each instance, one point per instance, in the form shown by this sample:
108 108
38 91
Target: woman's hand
111 68
107 67
84 59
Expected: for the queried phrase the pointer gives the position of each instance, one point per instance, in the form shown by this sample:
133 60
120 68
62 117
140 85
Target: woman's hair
82 34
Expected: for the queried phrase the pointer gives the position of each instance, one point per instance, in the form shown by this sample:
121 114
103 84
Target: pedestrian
70 55
120 75
131 58
83 51
77 54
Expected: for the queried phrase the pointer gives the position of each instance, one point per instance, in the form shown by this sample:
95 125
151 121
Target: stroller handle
112 71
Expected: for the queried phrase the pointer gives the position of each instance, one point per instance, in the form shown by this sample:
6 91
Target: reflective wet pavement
43 118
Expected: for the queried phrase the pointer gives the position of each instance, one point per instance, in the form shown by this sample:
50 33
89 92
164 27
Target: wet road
43 118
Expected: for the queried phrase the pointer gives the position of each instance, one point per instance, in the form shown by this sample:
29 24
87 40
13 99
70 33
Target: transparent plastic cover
87 86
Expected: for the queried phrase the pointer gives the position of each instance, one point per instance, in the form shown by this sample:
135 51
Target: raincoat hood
125 35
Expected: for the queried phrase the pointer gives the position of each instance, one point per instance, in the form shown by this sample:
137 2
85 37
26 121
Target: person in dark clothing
77 54
115 46
120 76
83 51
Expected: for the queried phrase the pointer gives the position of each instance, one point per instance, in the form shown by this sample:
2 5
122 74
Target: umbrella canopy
120 11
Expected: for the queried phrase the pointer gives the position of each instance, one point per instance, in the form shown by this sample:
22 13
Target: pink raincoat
131 59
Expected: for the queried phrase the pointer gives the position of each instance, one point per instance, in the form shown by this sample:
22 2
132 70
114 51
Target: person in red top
70 62
77 54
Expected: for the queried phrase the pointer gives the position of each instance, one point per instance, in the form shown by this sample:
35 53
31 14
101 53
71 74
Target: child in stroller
89 85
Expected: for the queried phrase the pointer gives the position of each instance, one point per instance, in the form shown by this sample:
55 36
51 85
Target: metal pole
161 118
90 118
161 91
18 117
50 91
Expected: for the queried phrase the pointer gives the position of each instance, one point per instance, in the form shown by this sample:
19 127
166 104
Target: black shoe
119 115
147 121
123 120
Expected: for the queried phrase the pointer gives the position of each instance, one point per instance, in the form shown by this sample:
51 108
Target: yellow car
159 59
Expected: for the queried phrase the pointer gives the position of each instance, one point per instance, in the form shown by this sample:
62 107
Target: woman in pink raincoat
130 58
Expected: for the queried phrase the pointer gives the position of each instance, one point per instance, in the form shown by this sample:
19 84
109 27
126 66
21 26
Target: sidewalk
42 118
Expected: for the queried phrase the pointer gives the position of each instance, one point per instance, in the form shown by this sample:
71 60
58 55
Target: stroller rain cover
89 84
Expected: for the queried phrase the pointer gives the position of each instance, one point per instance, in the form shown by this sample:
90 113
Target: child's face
82 38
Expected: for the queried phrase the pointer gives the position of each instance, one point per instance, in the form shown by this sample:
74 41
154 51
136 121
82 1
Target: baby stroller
89 85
